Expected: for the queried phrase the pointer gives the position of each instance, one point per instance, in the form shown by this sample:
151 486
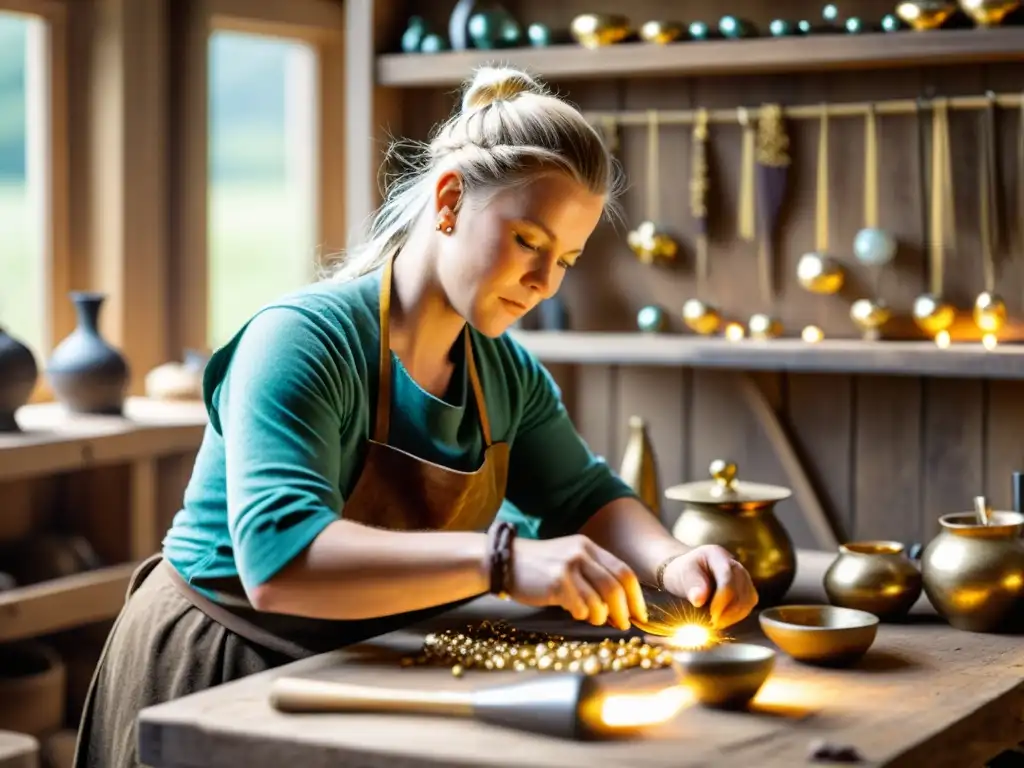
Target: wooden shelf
895 358
65 603
54 441
715 57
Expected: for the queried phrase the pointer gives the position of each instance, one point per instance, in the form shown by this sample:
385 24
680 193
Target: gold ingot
973 573
651 245
869 316
932 314
595 30
762 326
873 576
923 15
700 317
661 32
819 273
988 13
989 312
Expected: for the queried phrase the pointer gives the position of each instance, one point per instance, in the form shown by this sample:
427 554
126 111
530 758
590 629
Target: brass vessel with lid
739 516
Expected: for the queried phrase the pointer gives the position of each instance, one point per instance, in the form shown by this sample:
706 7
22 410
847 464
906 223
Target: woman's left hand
711 570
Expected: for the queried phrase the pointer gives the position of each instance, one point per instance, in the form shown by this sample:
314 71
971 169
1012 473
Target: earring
444 223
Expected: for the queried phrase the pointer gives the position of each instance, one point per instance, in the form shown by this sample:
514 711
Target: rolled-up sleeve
280 409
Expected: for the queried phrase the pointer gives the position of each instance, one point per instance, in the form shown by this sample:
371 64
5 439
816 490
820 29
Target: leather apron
395 490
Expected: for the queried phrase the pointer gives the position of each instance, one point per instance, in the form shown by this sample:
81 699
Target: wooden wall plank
723 428
1004 439
819 412
660 397
953 445
887 459
595 412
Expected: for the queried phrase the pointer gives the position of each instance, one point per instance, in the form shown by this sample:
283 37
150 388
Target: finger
611 591
597 609
570 599
695 582
725 596
635 601
746 597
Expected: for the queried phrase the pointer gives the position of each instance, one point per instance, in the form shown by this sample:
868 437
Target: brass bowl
727 676
820 634
661 32
924 15
988 13
873 576
595 30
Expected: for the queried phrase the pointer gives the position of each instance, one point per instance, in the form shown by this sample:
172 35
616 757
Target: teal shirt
291 400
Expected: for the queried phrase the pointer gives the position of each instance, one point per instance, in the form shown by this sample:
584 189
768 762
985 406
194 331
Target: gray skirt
162 647
169 641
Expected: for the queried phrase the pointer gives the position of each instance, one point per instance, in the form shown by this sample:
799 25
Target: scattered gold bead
498 646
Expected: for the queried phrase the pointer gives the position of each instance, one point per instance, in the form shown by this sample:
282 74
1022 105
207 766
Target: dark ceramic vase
86 373
18 374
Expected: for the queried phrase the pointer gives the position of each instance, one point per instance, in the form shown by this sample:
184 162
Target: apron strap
382 425
478 391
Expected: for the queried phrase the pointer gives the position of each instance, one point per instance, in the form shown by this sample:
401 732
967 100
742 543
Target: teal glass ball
433 43
874 247
651 319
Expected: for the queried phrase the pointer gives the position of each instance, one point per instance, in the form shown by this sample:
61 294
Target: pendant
869 316
762 326
700 317
932 314
989 312
651 245
819 273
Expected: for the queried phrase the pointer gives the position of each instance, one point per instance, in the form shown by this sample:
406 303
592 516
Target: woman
365 433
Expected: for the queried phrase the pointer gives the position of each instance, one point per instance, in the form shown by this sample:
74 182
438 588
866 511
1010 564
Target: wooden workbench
925 694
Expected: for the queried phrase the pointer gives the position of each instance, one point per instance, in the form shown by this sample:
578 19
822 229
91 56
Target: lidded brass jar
739 516
873 576
974 573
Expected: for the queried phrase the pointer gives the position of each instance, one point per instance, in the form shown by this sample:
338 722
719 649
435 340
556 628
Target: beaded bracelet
502 534
660 573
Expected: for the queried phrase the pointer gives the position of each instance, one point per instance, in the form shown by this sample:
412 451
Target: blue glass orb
874 247
651 319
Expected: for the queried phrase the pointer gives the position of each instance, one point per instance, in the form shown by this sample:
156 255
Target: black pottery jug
18 374
86 373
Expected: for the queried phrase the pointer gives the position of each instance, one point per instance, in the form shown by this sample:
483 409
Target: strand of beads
499 646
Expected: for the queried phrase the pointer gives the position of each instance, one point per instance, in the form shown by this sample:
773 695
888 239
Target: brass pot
989 13
974 573
740 517
873 576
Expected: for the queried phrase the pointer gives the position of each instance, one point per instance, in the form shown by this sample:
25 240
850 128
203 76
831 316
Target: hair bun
491 84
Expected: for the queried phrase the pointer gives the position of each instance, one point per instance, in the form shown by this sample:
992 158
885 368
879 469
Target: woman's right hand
575 573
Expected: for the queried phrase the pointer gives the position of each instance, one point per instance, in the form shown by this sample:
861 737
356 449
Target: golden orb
700 317
932 314
989 312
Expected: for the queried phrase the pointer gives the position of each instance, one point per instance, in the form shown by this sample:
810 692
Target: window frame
58 314
318 23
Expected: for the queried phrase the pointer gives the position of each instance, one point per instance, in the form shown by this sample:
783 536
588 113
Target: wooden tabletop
925 694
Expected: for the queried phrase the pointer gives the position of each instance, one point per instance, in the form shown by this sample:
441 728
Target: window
23 179
263 187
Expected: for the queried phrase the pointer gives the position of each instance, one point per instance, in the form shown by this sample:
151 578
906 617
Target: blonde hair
509 128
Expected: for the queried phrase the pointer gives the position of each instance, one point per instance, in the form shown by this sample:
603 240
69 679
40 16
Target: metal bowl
726 676
820 634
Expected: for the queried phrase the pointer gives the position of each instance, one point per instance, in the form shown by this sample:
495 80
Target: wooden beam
128 171
314 21
188 282
807 499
